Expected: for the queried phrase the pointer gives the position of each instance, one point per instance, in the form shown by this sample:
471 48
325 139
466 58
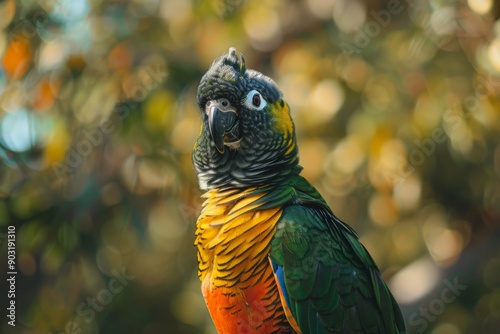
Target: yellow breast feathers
233 237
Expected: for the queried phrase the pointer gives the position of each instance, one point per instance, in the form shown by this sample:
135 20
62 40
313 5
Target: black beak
222 118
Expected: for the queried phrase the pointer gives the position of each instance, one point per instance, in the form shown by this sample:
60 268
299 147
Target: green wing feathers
329 281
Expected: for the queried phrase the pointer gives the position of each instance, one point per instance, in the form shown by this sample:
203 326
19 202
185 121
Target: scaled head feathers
228 77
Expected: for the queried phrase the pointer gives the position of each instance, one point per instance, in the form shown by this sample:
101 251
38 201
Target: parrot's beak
222 122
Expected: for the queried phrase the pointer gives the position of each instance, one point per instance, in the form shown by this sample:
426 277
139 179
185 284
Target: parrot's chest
233 240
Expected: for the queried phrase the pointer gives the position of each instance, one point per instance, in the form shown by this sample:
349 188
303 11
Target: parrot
272 256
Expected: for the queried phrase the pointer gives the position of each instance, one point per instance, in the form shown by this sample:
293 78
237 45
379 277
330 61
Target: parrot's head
247 136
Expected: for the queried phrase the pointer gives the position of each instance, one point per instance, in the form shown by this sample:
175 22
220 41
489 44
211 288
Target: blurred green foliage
398 120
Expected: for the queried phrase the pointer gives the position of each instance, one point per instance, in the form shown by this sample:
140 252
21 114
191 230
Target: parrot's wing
327 279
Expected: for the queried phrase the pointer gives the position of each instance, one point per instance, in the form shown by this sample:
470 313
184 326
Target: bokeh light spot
349 15
18 130
414 281
480 6
263 26
324 100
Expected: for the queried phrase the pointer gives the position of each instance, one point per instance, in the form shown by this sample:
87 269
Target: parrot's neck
237 180
244 167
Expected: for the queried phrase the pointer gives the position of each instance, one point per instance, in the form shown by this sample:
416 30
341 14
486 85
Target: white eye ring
255 101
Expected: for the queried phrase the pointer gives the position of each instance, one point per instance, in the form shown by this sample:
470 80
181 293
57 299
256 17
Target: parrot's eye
254 100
